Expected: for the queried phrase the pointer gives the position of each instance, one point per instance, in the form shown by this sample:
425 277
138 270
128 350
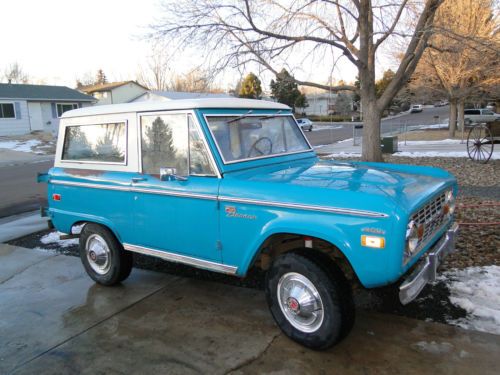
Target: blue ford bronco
230 184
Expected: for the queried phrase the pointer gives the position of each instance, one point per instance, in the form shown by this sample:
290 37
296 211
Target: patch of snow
477 291
53 237
23 146
442 154
435 126
342 154
77 229
345 140
415 154
326 127
425 143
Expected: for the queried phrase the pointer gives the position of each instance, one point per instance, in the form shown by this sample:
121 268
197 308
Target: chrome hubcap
300 302
98 254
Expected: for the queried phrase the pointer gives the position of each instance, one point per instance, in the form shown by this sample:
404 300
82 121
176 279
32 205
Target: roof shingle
41 92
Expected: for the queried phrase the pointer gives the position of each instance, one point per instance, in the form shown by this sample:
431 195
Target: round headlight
412 237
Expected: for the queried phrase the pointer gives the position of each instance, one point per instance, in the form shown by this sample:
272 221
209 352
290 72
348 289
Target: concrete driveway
55 320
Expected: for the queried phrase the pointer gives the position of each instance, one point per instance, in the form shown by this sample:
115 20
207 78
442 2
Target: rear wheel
310 303
103 257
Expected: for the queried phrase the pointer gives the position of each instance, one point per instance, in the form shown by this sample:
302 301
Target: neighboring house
174 95
27 108
114 92
320 104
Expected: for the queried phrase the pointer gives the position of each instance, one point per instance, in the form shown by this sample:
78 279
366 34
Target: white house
114 92
27 108
320 104
174 95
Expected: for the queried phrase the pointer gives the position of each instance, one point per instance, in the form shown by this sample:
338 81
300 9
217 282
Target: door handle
138 179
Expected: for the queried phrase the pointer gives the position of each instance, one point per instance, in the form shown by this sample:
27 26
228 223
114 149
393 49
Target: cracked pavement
55 320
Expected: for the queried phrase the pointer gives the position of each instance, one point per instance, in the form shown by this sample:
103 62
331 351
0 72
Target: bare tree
14 73
85 79
194 81
272 32
155 73
463 61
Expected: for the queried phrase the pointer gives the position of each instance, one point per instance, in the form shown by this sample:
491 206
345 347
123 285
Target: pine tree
101 77
251 87
286 91
158 147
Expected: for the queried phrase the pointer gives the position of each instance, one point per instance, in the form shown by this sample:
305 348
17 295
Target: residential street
327 133
20 191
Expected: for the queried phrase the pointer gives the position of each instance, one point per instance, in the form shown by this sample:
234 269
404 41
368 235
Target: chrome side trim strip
195 262
174 193
90 185
136 190
308 207
297 206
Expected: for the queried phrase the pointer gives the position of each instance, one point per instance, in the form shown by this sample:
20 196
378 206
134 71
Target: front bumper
426 270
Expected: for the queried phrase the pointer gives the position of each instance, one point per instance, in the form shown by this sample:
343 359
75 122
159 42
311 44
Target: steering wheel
259 150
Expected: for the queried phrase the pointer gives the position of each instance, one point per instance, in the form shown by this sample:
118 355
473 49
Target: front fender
342 231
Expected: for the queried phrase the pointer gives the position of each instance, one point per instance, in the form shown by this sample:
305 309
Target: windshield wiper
270 116
240 117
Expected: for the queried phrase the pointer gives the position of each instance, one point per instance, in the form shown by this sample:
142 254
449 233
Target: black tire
335 296
119 262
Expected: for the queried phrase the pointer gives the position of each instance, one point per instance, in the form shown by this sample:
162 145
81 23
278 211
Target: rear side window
101 143
471 112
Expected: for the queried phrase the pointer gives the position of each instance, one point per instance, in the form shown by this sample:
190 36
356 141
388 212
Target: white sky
56 41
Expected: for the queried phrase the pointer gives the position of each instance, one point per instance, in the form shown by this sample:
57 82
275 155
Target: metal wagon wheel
480 144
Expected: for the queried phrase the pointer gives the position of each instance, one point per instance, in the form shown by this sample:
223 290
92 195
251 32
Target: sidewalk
446 148
11 157
55 320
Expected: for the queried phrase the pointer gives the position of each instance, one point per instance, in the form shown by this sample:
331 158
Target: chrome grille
431 216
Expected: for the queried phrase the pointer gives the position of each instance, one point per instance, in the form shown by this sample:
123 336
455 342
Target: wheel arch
329 250
103 222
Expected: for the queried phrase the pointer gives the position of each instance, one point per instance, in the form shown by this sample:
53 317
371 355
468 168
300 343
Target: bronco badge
231 212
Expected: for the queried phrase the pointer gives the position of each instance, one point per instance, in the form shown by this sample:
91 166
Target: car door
177 213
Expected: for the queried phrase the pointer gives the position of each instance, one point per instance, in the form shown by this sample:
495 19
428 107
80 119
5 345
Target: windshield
250 137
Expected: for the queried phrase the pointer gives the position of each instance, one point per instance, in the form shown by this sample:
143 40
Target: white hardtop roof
147 106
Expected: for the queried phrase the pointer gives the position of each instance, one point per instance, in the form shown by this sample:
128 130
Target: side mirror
170 174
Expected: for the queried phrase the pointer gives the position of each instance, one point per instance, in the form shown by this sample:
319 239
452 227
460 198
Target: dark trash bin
389 145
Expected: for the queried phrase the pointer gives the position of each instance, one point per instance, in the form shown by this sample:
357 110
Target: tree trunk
452 125
371 150
460 113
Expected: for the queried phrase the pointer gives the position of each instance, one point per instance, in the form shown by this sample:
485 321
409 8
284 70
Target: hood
372 186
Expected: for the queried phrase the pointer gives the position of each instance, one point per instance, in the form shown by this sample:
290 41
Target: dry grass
429 135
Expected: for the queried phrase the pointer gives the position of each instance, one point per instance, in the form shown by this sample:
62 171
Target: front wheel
103 257
311 304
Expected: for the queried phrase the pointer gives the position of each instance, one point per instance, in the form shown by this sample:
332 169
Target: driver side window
173 141
164 143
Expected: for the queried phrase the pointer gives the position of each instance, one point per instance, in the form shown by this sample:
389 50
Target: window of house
7 110
64 107
173 141
104 143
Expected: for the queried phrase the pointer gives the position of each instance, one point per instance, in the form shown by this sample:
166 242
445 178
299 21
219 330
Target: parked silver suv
480 115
